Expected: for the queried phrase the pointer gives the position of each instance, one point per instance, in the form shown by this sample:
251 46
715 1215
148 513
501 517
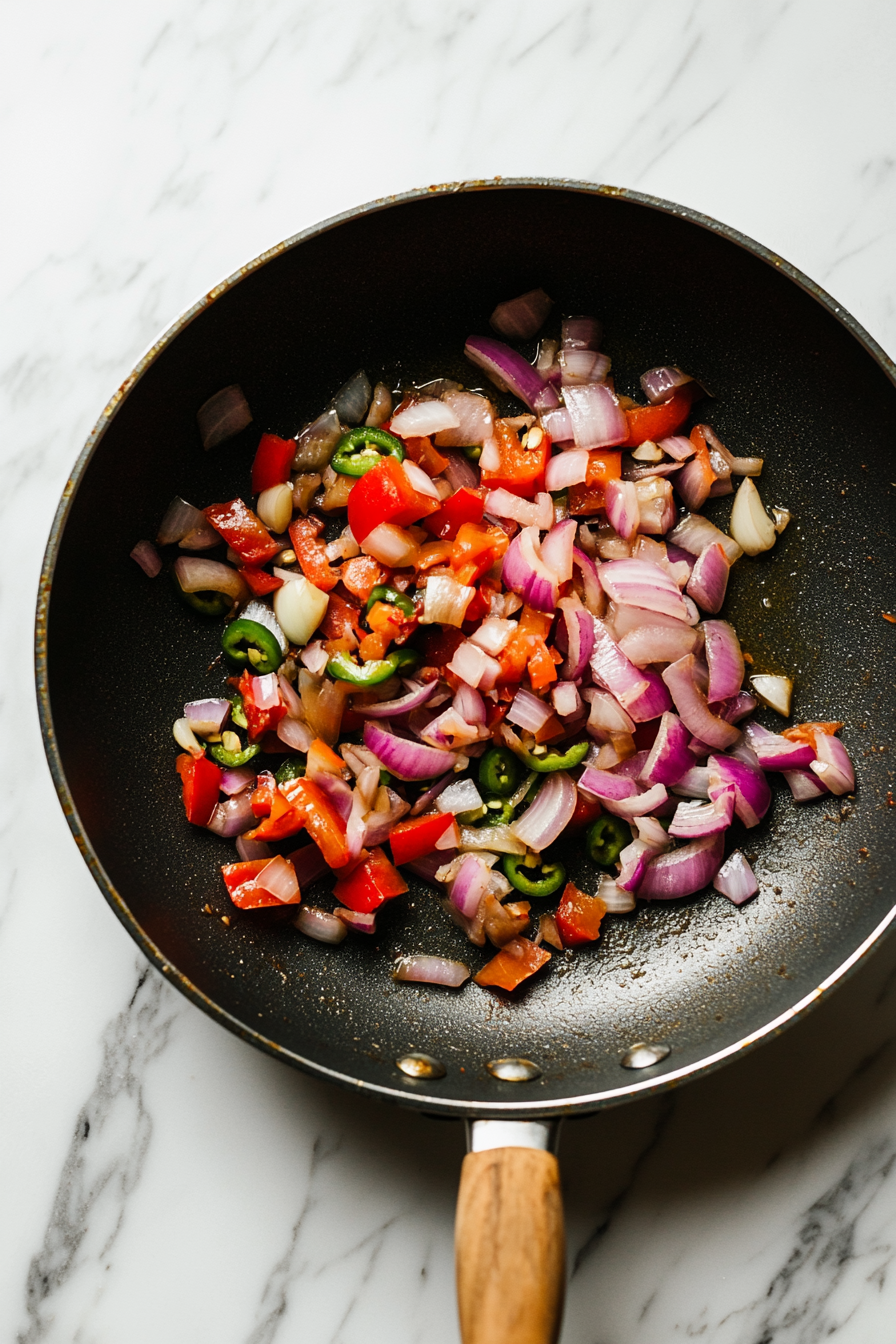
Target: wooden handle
510 1247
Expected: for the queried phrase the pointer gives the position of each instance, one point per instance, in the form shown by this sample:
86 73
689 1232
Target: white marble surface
161 1180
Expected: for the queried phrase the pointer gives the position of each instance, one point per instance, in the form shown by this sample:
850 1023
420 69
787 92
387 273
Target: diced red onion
474 666
752 795
249 850
660 383
774 690
694 820
526 573
292 701
196 575
615 898
233 817
432 971
694 483
460 472
593 594
475 420
423 484
360 921
734 466
634 859
732 711
528 711
337 791
692 705
179 519
658 643
682 871
725 659
390 545
630 768
668 758
677 446
418 695
265 691
598 421
694 783
776 752
606 786
207 716
656 507
621 503
320 924
639 691
607 718
557 548
565 469
405 759
580 333
833 766
236 778
469 885
579 628
493 635
549 814
709 578
148 558
461 796
295 733
423 418
470 705
735 879
446 601
502 504
804 785
637 474
429 864
309 864
565 698
512 371
279 878
694 533
557 424
201 538
222 416
640 583
520 319
582 366
639 804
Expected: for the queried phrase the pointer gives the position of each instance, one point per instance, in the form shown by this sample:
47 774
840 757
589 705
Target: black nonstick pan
395 287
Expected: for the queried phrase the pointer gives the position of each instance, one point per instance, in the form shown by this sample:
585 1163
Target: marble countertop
162 1180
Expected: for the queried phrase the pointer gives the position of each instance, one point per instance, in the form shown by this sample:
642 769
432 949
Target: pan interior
396 292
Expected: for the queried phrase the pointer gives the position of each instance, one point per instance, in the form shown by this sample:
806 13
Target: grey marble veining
161 1179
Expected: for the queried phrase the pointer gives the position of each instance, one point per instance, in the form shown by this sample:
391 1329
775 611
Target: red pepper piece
514 963
385 495
373 882
273 460
260 581
263 796
578 916
311 553
243 531
201 780
282 821
259 720
239 879
362 574
521 470
587 811
412 839
658 422
343 620
475 549
421 451
604 464
322 822
464 506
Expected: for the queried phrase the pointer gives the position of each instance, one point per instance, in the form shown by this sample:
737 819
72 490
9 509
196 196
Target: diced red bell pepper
516 961
578 916
262 799
273 460
259 721
464 506
385 495
311 553
532 626
282 821
201 780
374 881
362 574
604 464
658 422
475 549
587 811
805 732
322 759
439 644
243 531
412 839
239 879
421 451
342 621
322 822
521 470
260 581
542 668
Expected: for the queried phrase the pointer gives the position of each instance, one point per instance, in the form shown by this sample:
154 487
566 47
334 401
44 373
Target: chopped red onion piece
469 885
678 447
833 766
148 558
207 716
502 504
557 548
178 520
606 786
549 814
639 691
196 575
508 369
557 425
429 864
579 629
621 502
360 921
607 718
632 471
418 694
406 760
565 698
658 643
265 690
432 971
725 659
233 817
565 469
598 421
735 879
776 752
320 924
236 778
639 804
694 783
732 711
279 878
520 319
461 796
615 898
460 472
660 383
694 533
528 711
249 850
201 538
634 859
641 583
295 733
337 791
526 573
308 862
709 578
804 785
691 703
669 758
474 666
682 871
694 820
580 333
475 420
752 795
582 366
422 419
594 596
222 416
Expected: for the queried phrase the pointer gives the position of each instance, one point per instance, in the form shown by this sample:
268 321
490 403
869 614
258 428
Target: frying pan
395 287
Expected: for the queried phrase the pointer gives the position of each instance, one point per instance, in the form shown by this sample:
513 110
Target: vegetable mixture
513 638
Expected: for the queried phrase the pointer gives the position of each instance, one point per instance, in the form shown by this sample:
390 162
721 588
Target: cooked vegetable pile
513 639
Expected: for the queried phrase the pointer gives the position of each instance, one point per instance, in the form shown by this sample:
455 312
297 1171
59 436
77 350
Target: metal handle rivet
420 1066
641 1055
513 1070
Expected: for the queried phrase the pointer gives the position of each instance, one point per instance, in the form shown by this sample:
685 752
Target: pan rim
654 1081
